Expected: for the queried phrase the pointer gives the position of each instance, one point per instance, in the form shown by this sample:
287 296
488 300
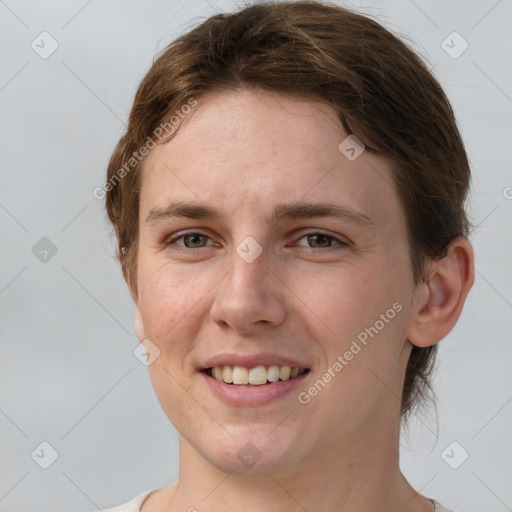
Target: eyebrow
296 210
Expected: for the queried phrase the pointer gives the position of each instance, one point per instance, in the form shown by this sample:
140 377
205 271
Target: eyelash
341 243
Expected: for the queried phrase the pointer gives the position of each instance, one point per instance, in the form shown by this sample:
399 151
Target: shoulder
133 505
440 508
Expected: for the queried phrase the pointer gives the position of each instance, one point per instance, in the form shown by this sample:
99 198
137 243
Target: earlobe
447 287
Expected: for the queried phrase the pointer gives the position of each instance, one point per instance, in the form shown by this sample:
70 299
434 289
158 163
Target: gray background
67 372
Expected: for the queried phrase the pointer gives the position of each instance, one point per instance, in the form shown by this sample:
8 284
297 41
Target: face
262 245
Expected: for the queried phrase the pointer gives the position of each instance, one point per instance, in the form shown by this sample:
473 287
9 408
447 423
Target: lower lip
252 395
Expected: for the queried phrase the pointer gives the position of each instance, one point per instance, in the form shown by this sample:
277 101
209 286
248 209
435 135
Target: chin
252 452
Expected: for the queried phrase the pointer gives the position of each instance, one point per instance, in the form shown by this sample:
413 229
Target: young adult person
288 201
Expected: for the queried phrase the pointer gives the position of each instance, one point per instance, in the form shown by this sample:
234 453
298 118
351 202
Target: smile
255 376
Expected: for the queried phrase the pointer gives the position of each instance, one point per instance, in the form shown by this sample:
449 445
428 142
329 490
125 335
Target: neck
363 475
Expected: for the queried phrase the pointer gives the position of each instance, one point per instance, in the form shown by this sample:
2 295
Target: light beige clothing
135 504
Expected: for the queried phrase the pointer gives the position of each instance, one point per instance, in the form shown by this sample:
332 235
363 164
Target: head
250 111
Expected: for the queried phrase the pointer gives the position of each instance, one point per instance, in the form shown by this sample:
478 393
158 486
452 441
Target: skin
243 152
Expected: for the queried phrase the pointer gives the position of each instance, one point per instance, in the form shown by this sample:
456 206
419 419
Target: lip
251 360
248 395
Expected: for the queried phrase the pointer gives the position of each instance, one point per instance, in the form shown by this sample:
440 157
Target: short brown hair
383 92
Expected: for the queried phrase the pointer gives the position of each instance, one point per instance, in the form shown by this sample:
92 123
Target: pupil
324 237
195 236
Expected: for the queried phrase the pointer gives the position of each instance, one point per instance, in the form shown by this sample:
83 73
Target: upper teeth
256 376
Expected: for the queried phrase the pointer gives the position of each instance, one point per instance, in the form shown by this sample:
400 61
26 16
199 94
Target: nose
250 296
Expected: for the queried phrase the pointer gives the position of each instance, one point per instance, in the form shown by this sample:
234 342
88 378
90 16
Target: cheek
169 300
342 302
360 314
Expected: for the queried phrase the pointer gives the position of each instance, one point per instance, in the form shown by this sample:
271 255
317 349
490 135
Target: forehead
243 152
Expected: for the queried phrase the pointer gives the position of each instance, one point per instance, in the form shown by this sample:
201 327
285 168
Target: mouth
235 375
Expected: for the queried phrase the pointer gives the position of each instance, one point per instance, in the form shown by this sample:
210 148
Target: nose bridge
248 295
248 258
249 269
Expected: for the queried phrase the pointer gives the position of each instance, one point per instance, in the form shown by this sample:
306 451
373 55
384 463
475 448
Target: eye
322 240
191 240
196 240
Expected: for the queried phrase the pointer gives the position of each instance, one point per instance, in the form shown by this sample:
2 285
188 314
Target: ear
439 301
139 325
